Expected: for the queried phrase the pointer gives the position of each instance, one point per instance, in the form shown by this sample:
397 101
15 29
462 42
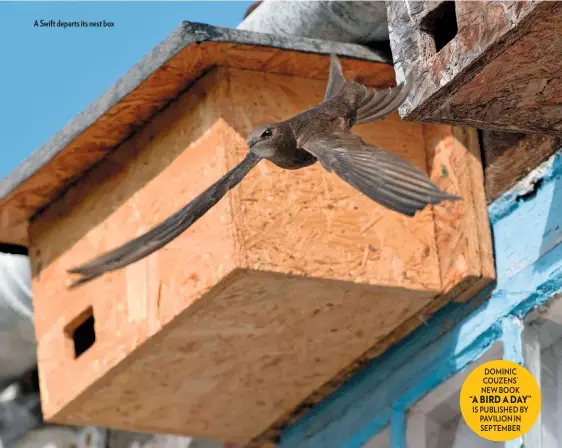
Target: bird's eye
266 133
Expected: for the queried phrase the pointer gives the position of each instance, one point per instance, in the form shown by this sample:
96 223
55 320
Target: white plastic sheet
342 21
17 336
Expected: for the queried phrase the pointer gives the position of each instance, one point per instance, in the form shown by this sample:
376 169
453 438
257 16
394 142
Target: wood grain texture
281 292
149 86
501 71
511 156
331 209
462 228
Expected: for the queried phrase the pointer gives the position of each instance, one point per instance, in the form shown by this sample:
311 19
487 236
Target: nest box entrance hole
81 332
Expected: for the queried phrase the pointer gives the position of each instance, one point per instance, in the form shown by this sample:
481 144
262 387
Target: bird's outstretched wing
166 231
375 104
335 78
383 176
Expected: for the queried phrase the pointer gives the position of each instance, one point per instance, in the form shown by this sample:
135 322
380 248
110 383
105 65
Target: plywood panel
462 228
227 368
353 237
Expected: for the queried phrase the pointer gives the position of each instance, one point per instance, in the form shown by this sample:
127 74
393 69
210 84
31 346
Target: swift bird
322 134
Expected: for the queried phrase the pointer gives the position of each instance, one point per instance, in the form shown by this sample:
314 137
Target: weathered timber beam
490 65
509 156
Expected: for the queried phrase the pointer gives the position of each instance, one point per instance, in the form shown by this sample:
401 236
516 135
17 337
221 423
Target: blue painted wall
527 231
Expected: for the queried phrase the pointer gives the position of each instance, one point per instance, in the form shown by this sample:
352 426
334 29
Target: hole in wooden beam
81 331
441 24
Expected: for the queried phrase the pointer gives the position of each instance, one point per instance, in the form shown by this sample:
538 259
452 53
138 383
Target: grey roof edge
187 33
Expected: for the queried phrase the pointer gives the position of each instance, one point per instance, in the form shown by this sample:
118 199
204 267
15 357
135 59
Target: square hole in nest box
82 332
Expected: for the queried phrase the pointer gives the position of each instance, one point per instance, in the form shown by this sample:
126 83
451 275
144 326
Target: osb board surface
228 367
501 71
260 340
320 215
157 79
464 239
164 166
521 89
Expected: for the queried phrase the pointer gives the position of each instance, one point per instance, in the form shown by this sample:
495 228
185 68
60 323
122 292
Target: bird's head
266 139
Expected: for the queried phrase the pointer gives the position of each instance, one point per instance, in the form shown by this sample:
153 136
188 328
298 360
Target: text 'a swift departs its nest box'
277 293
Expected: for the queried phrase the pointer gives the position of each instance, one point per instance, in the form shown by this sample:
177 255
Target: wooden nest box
492 65
278 293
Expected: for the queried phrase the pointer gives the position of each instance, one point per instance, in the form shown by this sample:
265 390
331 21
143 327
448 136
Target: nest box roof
170 68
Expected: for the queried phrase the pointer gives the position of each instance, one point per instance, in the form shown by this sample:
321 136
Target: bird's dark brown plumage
322 134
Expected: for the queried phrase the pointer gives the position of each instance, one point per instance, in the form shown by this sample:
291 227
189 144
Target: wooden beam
498 68
508 157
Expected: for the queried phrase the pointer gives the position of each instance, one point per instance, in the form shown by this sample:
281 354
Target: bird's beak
251 143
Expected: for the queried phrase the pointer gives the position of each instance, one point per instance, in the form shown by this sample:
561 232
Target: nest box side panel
259 344
151 175
520 89
90 146
464 239
311 222
493 65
